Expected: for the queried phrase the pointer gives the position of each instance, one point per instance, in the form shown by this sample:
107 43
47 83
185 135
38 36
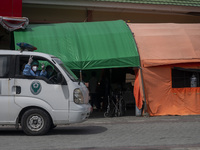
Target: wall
49 14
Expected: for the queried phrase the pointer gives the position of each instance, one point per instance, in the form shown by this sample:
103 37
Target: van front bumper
80 114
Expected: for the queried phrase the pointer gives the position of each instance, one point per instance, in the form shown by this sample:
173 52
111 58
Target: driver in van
31 68
49 70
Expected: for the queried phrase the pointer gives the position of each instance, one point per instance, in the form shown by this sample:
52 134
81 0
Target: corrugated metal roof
194 3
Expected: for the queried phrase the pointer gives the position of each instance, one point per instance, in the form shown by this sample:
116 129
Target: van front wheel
35 122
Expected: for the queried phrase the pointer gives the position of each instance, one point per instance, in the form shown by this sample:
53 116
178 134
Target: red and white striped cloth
14 23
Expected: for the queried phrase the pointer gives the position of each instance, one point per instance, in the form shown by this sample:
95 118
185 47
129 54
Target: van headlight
78 96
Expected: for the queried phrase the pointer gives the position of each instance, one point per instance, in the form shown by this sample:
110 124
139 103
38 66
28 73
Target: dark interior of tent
112 82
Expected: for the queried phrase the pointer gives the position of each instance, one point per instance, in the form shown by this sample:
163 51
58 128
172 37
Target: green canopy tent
83 46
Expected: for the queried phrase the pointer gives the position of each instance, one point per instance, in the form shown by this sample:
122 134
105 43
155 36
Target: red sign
11 8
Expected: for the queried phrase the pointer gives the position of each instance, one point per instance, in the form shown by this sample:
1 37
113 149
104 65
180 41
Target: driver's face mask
34 68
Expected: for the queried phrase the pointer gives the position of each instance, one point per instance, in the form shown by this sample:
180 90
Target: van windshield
70 74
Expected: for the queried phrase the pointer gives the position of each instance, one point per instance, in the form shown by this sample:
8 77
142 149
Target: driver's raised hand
43 67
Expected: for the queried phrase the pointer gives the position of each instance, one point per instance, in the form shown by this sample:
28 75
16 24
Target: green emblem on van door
36 87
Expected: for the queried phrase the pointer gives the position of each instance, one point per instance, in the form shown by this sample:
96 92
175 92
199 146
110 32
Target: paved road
117 133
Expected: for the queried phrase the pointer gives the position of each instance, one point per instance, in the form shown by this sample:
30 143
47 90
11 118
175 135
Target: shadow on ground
79 130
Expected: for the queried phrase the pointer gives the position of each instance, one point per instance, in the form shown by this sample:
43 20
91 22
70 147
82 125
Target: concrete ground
116 133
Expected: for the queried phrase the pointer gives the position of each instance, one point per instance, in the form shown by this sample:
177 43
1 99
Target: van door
42 91
8 109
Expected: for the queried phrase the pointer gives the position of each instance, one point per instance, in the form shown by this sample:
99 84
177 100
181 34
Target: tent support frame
81 78
145 104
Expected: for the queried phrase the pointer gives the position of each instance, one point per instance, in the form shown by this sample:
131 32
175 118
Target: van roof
17 52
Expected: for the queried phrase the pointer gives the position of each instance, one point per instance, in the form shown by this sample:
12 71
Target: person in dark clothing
93 83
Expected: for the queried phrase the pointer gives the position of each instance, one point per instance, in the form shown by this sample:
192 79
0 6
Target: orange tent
170 60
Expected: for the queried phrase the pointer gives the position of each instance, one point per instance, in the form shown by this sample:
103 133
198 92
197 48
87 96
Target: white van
38 104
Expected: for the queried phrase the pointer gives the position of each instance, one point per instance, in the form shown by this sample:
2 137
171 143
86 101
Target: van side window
50 74
4 66
185 77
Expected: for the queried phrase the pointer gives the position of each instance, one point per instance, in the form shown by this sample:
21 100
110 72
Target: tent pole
81 78
145 104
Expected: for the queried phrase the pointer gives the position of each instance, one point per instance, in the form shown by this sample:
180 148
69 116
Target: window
4 66
183 77
52 75
70 74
